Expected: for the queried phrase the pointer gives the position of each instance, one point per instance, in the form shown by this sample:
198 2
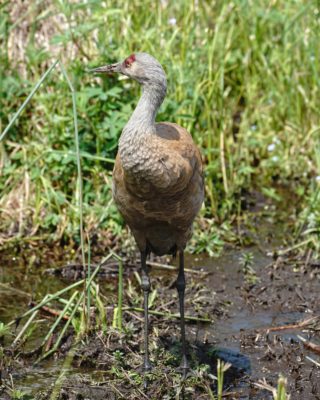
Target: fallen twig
298 325
150 263
313 361
51 311
168 315
309 345
262 384
173 268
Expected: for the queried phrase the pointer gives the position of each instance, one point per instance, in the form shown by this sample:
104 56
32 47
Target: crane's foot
147 366
144 370
184 368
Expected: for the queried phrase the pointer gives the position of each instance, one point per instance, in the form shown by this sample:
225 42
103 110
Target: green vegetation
243 78
278 393
221 369
281 389
247 261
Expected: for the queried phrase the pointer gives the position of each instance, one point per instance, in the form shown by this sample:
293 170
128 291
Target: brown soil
259 309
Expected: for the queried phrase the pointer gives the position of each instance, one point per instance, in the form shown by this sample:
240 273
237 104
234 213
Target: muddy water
284 295
280 296
20 283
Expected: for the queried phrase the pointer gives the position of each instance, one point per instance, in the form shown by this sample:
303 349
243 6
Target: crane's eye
128 61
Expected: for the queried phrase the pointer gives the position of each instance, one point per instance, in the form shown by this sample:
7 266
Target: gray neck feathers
145 113
141 124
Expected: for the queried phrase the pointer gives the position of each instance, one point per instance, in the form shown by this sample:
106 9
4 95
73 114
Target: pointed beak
107 69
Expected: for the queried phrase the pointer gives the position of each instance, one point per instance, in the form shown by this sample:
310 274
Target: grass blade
63 312
22 107
120 296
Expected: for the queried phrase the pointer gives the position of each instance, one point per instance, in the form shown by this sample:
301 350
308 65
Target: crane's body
159 189
157 178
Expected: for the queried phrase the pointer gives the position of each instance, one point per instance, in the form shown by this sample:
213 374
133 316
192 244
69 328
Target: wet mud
261 311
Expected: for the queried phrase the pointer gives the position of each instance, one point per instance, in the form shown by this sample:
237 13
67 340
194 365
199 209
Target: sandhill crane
157 180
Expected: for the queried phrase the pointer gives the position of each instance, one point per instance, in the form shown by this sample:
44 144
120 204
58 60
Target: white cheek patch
134 69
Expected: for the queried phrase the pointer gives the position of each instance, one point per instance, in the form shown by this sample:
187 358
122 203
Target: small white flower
318 178
271 147
172 21
275 158
253 127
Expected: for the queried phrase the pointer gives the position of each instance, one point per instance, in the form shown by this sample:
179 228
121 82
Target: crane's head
139 66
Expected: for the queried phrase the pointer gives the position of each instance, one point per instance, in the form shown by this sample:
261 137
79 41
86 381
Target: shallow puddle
242 310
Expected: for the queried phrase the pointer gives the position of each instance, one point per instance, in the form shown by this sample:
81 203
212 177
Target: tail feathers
161 250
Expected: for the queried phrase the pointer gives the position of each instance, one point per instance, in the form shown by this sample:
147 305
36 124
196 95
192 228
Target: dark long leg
181 285
145 284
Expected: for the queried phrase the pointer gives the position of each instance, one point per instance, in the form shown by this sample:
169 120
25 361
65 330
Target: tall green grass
243 78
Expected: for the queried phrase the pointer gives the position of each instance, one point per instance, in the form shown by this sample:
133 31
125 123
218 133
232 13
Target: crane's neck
143 117
141 124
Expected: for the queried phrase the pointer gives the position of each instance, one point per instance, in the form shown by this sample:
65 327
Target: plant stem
22 107
120 296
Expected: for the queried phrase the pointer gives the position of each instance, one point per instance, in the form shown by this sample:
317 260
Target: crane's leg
145 284
181 286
